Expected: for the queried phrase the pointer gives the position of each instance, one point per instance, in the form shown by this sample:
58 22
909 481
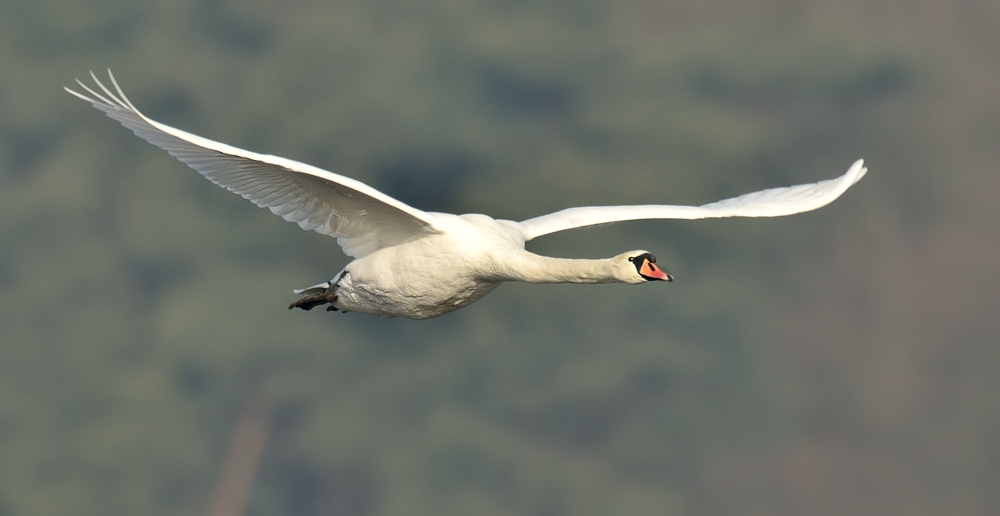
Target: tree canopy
836 362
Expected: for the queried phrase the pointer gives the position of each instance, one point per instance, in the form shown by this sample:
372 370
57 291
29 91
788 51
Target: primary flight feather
418 264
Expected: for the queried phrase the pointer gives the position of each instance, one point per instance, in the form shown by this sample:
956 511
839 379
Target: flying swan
418 264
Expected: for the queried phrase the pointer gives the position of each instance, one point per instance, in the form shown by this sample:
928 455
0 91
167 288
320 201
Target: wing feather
774 202
361 218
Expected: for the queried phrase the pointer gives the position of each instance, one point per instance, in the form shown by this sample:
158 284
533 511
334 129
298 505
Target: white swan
420 264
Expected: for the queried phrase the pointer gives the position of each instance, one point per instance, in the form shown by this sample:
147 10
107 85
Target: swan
418 264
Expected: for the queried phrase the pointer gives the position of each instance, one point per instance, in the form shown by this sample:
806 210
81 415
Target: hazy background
837 362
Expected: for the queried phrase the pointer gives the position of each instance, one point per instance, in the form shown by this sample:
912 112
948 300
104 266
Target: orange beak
652 272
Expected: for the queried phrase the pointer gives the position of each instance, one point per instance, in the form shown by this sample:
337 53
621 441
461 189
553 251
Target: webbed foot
314 297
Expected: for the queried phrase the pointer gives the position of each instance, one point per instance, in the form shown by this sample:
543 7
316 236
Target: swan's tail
315 289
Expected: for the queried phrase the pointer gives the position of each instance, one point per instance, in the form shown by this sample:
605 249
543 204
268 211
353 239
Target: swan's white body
420 264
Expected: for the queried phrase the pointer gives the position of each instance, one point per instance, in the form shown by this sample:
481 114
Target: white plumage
420 264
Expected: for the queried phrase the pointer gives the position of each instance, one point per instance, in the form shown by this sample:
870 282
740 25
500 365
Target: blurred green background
843 361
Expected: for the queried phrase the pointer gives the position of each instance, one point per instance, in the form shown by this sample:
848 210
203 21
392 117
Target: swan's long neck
533 268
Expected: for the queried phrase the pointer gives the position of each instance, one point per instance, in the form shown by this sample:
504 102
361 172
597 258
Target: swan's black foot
314 297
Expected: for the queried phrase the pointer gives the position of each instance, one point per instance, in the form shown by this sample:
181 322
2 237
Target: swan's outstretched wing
361 218
773 202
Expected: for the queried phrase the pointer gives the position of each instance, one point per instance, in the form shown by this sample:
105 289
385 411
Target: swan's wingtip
71 92
857 171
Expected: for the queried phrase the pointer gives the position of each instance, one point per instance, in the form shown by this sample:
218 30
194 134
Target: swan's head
640 267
